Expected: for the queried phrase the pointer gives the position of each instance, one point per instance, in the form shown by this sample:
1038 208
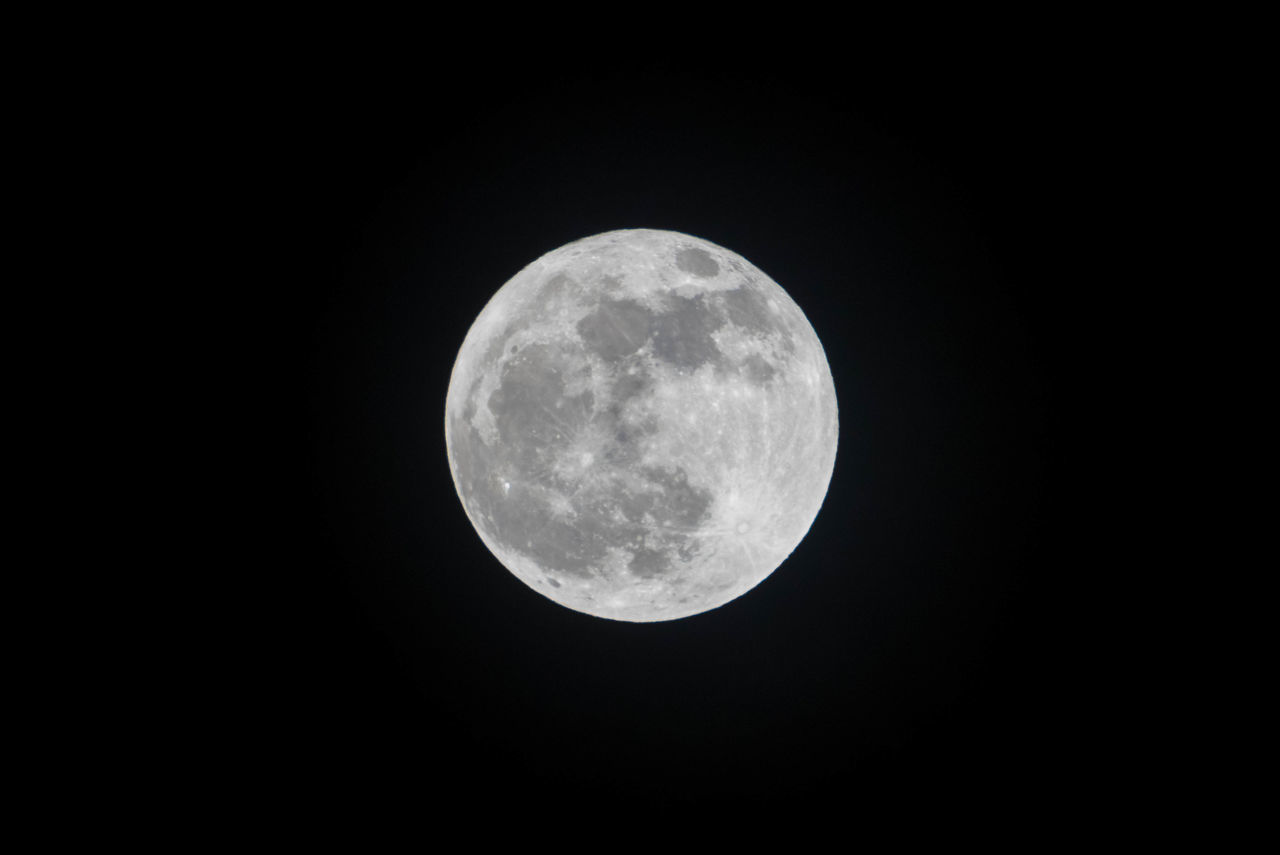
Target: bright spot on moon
641 425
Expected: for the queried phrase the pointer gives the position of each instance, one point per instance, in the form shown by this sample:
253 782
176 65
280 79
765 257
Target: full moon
641 425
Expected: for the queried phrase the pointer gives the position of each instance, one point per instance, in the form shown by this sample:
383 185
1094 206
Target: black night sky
915 209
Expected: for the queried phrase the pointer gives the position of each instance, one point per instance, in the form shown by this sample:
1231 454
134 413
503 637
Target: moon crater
641 425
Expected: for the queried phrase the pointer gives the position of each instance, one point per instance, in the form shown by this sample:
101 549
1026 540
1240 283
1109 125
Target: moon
641 425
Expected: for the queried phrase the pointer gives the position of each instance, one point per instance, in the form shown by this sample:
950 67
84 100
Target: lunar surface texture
641 425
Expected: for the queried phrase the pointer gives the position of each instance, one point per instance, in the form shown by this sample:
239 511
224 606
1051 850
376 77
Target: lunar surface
641 425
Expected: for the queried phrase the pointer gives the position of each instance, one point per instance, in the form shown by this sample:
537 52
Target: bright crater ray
641 425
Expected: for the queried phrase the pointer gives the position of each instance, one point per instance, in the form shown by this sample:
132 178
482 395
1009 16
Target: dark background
921 206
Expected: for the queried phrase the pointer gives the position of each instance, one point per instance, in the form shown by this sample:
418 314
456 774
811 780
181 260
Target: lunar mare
641 425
